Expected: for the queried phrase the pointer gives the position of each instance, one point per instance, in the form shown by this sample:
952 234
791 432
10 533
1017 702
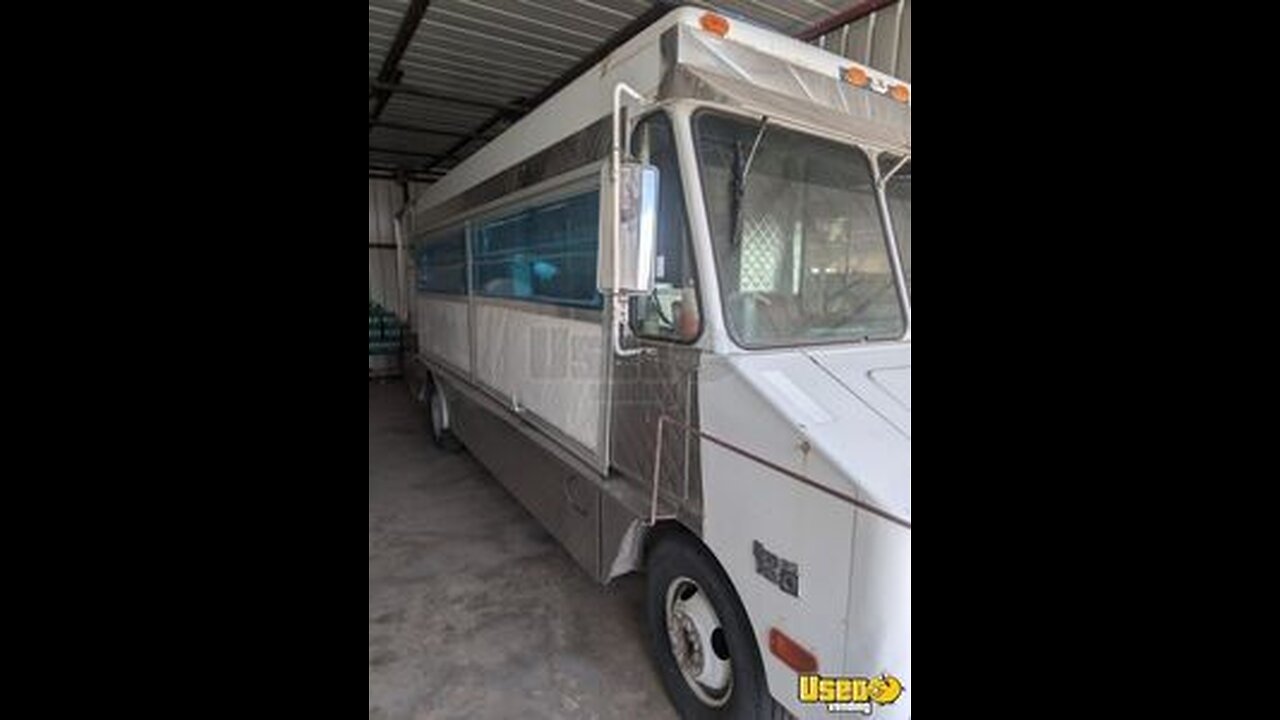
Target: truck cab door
667 324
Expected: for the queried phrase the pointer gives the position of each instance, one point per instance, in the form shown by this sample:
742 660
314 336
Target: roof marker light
900 93
714 23
856 76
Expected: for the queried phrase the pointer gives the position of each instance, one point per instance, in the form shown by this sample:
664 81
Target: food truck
670 311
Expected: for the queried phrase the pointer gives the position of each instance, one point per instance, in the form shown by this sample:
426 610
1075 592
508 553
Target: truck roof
638 62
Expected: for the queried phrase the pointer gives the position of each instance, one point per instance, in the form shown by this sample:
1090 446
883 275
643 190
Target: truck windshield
801 254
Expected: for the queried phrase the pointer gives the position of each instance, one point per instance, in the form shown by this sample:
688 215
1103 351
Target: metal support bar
407 89
454 149
422 179
840 19
403 226
884 178
393 169
394 151
401 299
620 309
657 466
416 128
895 252
390 70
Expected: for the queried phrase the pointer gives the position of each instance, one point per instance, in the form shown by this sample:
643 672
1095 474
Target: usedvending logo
851 694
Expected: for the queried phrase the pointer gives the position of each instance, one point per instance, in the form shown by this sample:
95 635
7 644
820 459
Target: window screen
545 253
441 260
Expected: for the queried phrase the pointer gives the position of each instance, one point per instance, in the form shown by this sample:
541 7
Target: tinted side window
441 260
545 253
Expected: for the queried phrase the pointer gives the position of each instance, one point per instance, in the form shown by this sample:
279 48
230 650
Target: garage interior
474 609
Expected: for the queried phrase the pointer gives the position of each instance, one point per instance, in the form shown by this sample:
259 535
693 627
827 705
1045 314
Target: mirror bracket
641 185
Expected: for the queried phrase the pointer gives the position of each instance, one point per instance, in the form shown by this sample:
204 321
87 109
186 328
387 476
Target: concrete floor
474 610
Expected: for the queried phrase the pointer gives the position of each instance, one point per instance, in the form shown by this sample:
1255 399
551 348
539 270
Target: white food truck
670 310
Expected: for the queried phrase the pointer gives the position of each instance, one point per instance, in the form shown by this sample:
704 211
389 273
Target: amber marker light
791 652
856 76
714 23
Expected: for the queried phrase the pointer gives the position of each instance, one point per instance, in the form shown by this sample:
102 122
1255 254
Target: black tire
674 559
441 434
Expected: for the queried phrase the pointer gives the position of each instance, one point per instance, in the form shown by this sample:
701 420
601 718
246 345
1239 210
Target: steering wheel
848 288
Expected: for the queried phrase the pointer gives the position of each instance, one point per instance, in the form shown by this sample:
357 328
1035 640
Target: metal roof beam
394 151
397 168
397 176
840 19
417 129
401 178
390 70
477 134
407 89
625 33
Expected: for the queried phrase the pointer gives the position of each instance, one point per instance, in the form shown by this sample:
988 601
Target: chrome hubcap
697 642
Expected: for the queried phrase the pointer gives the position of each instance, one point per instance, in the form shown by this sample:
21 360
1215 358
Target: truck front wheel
700 636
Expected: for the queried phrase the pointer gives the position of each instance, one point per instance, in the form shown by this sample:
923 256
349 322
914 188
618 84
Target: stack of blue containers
385 331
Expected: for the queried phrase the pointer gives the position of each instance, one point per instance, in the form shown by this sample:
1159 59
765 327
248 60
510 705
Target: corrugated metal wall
385 200
881 40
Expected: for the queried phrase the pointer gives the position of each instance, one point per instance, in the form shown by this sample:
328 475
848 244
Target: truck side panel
545 364
564 501
443 328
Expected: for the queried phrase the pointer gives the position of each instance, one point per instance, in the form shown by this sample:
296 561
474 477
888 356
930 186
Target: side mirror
628 226
636 233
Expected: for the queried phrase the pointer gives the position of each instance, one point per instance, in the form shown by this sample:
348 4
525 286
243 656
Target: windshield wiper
740 172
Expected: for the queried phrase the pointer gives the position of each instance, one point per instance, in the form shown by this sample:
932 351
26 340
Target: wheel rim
437 413
697 642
